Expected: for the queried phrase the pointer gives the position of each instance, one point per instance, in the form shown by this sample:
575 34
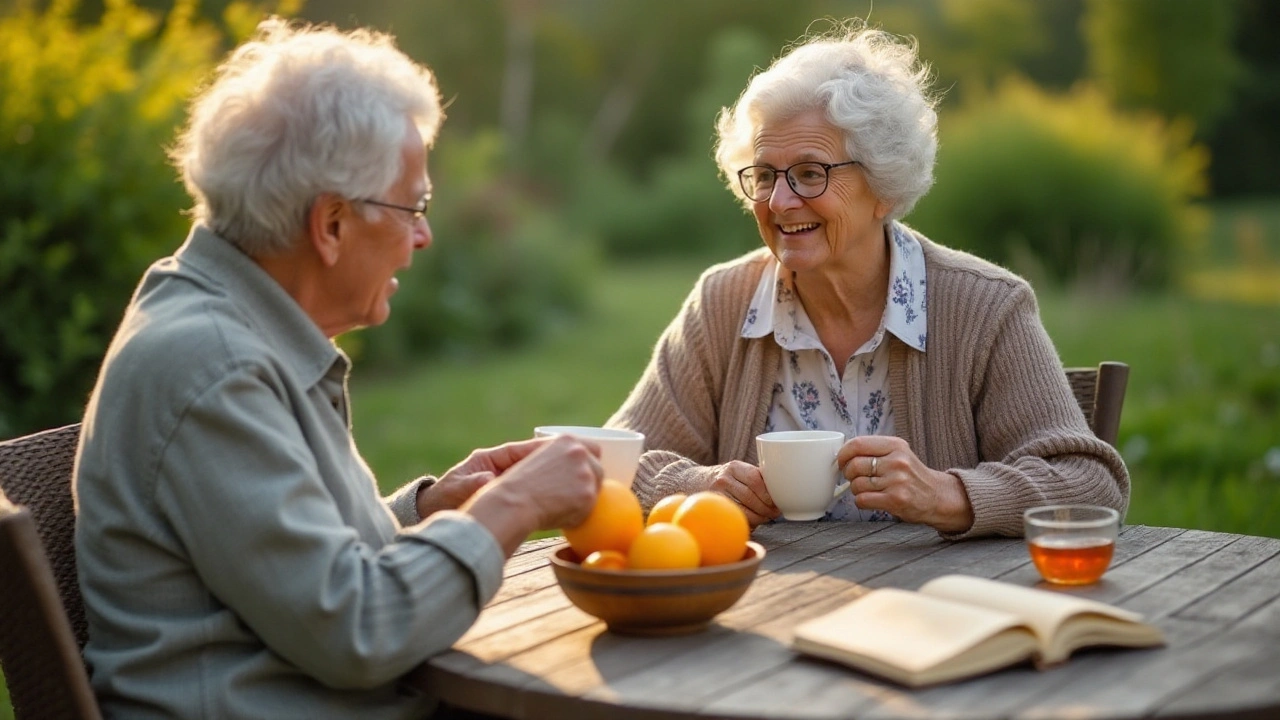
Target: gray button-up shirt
235 556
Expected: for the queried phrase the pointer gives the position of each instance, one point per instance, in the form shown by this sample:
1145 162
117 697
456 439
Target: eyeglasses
807 179
418 211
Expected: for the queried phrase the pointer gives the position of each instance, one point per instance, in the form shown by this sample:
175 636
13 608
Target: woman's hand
884 474
744 484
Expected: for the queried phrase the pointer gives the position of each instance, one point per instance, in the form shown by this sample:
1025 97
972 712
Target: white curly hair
297 111
871 85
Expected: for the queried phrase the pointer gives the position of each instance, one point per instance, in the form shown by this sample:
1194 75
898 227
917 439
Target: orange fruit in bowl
719 525
613 523
664 546
665 509
606 560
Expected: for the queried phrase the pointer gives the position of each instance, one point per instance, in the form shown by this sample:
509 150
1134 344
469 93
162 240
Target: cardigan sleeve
703 396
674 405
1034 446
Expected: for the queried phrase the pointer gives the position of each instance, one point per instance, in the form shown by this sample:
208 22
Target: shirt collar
905 308
277 317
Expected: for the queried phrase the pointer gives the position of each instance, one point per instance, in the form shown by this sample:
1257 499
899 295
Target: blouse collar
775 309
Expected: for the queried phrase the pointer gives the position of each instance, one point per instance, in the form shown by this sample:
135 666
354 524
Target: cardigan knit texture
988 400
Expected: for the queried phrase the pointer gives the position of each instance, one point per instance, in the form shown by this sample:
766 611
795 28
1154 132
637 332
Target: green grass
1200 427
429 418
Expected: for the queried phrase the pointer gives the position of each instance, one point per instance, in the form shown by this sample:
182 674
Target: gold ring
874 462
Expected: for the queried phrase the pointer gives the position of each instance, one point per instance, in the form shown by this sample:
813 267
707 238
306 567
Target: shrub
87 199
500 272
682 206
1064 187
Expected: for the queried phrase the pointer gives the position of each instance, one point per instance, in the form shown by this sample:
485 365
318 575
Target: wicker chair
1100 392
42 623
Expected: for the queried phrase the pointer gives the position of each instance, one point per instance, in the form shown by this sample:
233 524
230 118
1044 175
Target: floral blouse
810 394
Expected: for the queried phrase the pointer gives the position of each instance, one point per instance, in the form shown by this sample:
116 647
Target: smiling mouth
797 228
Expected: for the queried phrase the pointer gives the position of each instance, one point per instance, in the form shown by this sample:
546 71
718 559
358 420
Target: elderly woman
235 557
932 362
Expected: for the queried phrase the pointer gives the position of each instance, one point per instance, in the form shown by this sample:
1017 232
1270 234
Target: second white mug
800 471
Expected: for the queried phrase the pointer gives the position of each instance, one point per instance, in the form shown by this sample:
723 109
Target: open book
958 626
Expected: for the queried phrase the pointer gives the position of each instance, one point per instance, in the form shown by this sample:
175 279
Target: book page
1061 622
916 639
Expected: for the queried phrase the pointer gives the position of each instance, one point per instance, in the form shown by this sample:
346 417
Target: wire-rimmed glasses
418 211
807 179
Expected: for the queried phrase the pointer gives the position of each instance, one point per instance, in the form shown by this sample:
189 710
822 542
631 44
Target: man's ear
326 226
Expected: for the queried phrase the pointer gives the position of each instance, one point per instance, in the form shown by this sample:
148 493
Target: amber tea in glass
1071 544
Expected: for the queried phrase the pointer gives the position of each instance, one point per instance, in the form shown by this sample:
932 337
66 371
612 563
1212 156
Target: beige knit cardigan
987 402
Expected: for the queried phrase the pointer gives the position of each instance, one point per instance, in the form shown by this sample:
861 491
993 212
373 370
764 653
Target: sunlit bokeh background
1121 154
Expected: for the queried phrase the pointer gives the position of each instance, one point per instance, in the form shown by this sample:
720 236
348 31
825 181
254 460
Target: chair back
42 665
42 624
1100 393
35 472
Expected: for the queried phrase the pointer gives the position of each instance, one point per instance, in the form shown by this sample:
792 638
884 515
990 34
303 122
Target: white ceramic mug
619 449
799 468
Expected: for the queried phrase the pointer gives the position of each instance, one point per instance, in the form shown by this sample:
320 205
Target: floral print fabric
810 394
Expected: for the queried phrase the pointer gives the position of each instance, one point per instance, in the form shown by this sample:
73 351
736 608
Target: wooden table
531 654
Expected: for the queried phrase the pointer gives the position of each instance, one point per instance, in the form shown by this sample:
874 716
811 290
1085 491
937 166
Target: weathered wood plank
533 655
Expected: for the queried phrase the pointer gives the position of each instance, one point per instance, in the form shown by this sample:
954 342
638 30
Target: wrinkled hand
885 474
462 481
559 481
744 484
543 484
451 491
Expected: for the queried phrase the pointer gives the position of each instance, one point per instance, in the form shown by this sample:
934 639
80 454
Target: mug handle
842 487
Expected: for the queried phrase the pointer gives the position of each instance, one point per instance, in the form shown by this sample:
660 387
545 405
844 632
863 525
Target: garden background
1121 154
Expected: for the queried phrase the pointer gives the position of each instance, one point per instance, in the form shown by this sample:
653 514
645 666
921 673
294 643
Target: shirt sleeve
240 487
404 502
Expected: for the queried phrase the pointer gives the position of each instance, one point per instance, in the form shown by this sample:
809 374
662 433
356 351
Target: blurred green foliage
501 271
86 199
679 204
1065 188
1188 69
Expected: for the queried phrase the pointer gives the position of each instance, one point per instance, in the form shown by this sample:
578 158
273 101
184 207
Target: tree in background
1065 188
87 199
1172 56
1246 146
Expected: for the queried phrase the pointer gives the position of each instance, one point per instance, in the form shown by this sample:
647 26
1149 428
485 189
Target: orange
613 523
663 546
665 508
719 525
605 560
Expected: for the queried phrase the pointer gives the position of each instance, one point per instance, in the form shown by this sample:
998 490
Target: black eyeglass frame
791 181
419 212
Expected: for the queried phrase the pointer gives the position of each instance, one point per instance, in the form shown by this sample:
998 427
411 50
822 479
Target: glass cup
1071 544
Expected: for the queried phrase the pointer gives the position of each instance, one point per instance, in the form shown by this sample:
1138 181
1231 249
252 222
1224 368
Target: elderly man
235 557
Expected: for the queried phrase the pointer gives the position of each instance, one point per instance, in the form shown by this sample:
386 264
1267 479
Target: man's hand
450 491
546 483
462 481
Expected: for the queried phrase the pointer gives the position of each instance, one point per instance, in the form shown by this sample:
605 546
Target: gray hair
870 84
298 111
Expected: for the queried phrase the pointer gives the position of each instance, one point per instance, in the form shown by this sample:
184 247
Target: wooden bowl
656 602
